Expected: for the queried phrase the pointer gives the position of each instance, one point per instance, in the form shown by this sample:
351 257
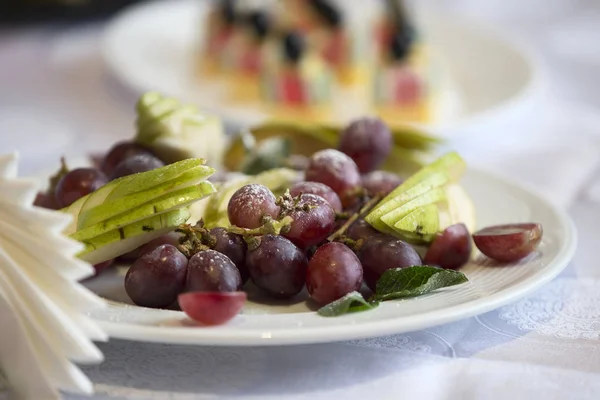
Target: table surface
545 346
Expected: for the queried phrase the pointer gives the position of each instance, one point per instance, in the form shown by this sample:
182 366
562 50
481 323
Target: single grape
318 189
250 204
313 220
211 271
103 266
336 170
157 278
451 249
508 243
119 153
212 308
361 229
45 200
135 165
277 266
380 182
78 183
380 253
234 247
368 142
333 272
171 238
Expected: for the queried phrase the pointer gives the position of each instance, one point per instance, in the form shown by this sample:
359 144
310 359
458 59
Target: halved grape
135 165
333 272
313 220
368 142
380 253
380 182
234 247
157 278
212 308
451 249
78 183
508 243
336 170
318 189
277 266
119 153
211 271
250 204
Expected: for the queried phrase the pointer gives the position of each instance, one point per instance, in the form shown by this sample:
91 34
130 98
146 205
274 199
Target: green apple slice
120 241
420 226
109 208
174 200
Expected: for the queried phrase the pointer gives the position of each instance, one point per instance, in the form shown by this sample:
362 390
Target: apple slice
212 308
170 201
508 243
111 208
123 240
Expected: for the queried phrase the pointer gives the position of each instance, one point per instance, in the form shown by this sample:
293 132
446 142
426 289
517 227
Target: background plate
497 201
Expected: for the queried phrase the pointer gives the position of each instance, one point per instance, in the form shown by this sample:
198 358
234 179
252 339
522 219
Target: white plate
152 46
497 201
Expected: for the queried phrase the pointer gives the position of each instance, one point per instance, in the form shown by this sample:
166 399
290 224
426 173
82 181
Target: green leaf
271 153
352 302
398 283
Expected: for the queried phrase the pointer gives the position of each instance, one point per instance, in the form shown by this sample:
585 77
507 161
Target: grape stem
362 212
271 227
195 239
54 179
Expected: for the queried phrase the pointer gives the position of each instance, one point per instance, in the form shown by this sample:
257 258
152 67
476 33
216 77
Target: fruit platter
295 232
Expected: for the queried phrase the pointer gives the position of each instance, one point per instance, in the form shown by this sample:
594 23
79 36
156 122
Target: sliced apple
123 240
170 201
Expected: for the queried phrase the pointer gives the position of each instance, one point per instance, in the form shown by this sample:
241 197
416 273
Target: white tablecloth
545 346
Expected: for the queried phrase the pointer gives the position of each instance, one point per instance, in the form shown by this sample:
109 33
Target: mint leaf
352 302
415 281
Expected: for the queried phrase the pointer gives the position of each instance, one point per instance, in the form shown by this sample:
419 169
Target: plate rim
535 87
402 324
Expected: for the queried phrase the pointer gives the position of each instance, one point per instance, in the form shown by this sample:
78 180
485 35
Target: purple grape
450 249
250 204
277 266
78 183
380 182
368 142
157 278
135 165
333 272
171 238
318 189
361 229
380 253
46 200
234 247
336 170
119 153
312 225
211 271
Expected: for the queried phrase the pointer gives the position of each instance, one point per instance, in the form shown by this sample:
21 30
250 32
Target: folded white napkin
553 147
43 326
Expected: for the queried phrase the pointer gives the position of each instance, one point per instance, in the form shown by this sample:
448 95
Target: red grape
211 271
318 189
234 247
250 204
312 225
380 253
119 153
508 243
368 142
380 182
451 249
212 308
361 229
171 238
277 266
135 165
78 183
103 266
45 200
333 272
157 278
336 170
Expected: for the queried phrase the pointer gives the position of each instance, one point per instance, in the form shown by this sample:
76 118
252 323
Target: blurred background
56 87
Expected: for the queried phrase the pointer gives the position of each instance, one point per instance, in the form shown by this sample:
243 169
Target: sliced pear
171 201
120 241
109 208
460 208
431 197
421 225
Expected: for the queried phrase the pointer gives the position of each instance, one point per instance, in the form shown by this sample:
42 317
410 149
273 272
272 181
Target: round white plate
491 286
152 46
